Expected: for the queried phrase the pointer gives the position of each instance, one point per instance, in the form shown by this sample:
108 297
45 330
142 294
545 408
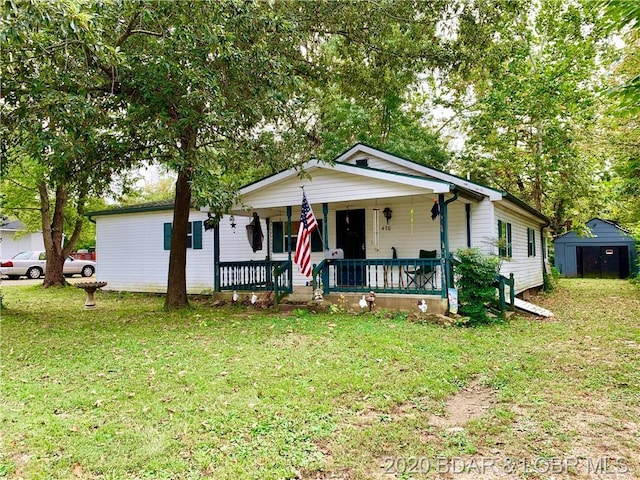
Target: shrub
476 276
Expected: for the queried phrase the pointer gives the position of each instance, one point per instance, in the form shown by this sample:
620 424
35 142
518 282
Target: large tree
532 104
218 83
619 138
209 88
60 145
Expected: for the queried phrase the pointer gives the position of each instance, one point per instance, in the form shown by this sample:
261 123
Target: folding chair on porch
422 275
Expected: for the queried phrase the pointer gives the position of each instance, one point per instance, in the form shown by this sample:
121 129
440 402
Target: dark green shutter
502 251
278 237
533 238
197 235
167 236
316 239
509 249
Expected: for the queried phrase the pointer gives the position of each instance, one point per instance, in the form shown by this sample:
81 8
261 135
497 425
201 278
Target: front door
350 233
350 237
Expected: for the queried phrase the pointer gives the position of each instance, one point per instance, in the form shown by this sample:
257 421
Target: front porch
399 276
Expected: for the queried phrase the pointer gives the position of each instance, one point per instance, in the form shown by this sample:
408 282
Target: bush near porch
129 391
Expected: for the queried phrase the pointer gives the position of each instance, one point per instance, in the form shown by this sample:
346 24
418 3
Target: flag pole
324 246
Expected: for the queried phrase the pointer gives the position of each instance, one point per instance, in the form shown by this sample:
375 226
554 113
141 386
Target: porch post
325 218
444 244
268 223
289 245
216 257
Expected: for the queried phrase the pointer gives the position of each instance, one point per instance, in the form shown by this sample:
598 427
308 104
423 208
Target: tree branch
147 32
127 31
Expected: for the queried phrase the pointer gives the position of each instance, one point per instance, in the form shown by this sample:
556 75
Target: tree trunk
52 233
177 279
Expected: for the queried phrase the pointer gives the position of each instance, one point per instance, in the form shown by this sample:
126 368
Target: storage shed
609 252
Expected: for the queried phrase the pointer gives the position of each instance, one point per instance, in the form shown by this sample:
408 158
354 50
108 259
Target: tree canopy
223 92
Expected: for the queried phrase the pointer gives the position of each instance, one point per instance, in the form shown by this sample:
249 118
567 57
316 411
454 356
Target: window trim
194 235
531 242
281 227
505 239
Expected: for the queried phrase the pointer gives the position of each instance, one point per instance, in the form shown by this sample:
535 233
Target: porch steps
530 308
300 295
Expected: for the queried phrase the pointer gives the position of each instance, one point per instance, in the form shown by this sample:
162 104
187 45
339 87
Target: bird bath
90 288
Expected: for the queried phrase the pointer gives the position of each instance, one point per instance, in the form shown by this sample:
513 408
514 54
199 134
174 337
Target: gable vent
362 162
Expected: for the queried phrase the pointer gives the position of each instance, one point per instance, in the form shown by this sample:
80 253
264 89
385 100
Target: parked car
32 264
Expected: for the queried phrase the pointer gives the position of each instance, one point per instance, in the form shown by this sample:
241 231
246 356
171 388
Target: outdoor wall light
387 214
232 219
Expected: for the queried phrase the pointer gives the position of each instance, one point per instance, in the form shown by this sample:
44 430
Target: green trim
420 165
278 236
143 207
397 174
167 235
197 235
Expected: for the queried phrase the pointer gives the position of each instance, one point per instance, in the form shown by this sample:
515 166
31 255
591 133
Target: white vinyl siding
131 255
327 186
483 229
12 242
527 269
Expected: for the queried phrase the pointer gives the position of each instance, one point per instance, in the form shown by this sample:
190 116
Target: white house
386 224
14 239
133 248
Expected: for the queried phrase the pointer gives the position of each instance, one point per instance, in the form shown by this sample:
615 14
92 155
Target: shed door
603 262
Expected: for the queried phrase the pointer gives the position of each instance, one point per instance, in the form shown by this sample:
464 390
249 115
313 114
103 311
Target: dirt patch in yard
470 403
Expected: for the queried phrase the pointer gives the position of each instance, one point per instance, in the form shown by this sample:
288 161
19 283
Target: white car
32 264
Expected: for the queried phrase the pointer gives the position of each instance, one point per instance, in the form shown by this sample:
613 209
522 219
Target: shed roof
12 225
613 228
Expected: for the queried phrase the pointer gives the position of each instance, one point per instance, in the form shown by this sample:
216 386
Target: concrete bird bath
90 288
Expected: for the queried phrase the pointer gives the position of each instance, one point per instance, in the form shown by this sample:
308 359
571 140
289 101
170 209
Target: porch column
268 223
444 240
467 210
289 245
325 220
216 257
444 244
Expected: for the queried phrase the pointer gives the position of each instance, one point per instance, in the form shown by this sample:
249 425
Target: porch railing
257 275
282 275
501 283
397 275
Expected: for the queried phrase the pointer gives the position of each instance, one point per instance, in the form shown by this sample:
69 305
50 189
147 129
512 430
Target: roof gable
438 186
392 168
604 230
361 150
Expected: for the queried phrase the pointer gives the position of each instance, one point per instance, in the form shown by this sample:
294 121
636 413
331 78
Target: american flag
308 224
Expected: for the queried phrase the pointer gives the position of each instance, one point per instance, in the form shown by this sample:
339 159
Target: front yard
130 392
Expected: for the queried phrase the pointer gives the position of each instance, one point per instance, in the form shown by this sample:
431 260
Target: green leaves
476 275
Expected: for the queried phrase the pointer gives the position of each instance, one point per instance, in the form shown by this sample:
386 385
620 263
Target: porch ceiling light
387 214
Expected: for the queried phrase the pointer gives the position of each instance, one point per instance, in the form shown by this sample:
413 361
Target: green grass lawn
128 391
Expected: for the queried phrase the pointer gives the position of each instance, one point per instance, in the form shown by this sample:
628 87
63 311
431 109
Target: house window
280 232
194 235
531 242
504 239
